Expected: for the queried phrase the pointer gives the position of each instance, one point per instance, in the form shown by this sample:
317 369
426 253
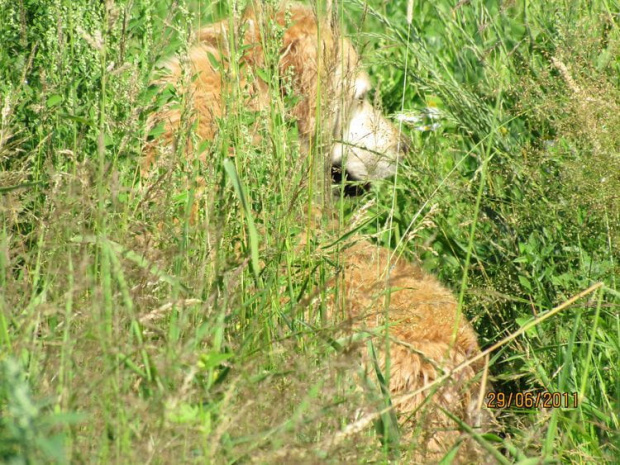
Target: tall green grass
180 341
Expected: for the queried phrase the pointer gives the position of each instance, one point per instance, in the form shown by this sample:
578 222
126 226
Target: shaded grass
189 341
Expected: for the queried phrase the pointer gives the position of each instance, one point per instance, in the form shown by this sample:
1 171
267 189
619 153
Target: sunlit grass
186 339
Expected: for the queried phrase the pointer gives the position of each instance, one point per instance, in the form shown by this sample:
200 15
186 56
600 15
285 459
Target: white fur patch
370 146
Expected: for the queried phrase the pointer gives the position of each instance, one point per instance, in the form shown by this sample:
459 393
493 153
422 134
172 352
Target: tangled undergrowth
131 334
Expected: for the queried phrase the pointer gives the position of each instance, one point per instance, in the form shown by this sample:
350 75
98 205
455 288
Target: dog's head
366 144
327 75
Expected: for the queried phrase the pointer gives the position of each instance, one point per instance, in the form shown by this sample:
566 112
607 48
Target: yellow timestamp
540 399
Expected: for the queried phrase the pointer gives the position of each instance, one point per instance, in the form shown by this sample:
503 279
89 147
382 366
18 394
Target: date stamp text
540 399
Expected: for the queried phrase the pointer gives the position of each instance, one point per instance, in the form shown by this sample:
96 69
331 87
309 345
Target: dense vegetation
131 332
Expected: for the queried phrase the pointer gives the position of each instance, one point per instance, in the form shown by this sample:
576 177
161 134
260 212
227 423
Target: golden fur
319 68
427 338
427 334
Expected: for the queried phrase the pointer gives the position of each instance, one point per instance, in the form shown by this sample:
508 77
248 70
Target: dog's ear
285 66
298 59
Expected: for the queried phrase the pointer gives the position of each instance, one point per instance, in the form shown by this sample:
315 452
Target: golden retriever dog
418 337
320 68
315 63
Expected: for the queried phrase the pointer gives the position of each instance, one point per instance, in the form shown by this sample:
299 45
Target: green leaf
213 359
522 321
252 233
525 283
53 100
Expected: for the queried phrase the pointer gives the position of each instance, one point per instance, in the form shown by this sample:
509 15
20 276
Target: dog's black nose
345 183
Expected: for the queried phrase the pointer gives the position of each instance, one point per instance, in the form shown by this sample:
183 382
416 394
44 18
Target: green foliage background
188 342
